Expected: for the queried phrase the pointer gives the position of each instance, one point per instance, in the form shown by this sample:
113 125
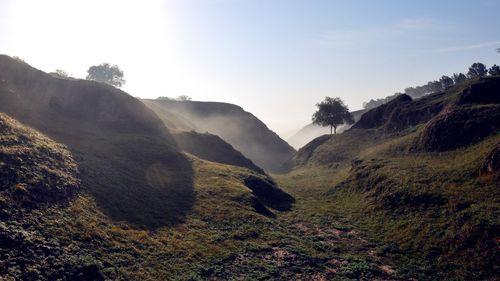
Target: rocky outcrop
485 91
269 193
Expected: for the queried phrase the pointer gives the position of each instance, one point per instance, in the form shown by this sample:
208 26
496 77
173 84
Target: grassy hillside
34 170
202 144
232 231
36 174
229 234
420 177
126 155
73 239
118 200
241 129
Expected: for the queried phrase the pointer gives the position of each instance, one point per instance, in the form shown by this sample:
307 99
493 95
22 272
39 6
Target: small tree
62 73
477 69
183 98
332 112
106 73
164 98
434 86
494 70
459 78
446 82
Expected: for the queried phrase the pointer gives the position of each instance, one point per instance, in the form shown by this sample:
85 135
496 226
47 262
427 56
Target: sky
276 59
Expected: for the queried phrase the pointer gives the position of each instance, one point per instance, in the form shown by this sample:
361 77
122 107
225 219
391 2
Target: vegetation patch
34 169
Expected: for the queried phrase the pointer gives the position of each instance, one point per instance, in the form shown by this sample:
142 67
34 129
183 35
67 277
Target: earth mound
380 115
474 116
213 148
34 169
269 193
459 127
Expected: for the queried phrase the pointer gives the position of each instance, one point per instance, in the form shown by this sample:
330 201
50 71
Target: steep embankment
50 229
422 177
121 146
311 131
129 161
203 145
241 129
36 174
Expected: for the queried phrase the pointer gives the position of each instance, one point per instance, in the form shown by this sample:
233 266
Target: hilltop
245 132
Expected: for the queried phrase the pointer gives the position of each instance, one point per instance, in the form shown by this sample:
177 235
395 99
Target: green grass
433 206
34 169
222 237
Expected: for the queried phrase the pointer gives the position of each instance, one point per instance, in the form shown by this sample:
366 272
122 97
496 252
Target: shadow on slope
36 174
128 160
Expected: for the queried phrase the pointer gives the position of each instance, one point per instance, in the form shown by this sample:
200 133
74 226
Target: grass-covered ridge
245 132
419 176
128 160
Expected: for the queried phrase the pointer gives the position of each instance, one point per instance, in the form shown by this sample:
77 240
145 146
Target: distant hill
311 131
241 129
423 174
203 145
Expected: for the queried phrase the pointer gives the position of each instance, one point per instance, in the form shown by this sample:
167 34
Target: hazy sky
274 58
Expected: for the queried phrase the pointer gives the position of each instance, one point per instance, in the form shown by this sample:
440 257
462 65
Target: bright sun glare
137 35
